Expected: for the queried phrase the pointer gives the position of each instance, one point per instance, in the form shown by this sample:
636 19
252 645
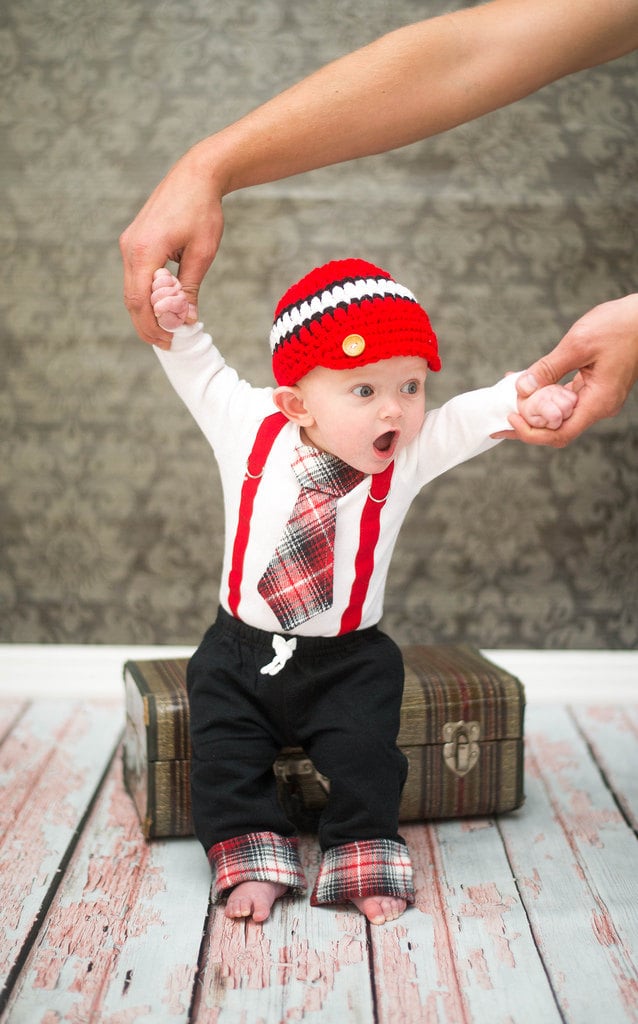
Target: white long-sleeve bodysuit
229 412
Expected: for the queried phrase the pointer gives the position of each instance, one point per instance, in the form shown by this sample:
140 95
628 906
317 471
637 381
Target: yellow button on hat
353 345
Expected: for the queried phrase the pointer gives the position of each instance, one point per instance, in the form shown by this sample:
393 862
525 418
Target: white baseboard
92 671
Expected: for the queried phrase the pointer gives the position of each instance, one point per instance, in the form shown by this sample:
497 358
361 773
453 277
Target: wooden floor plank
304 963
121 939
612 733
463 952
549 892
10 713
577 874
50 766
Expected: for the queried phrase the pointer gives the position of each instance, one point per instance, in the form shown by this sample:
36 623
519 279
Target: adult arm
408 85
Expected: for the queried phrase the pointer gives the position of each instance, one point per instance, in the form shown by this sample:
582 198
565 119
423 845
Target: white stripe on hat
350 291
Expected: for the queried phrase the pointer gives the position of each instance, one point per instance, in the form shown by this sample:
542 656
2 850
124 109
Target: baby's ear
289 401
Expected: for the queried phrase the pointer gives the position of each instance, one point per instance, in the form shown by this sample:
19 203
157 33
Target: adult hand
602 347
182 220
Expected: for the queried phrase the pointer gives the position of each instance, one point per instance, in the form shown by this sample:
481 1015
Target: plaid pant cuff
257 856
375 867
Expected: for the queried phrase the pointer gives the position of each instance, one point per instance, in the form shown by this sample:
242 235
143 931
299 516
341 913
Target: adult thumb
548 369
193 267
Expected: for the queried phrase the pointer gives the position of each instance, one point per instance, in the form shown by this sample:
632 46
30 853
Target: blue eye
363 391
411 388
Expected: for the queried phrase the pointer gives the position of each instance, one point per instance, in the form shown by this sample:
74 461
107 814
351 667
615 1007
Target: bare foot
379 909
254 899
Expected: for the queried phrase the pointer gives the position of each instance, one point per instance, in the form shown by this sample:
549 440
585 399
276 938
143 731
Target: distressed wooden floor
529 918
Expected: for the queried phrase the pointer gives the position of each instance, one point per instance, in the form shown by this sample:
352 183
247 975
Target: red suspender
368 537
368 530
254 468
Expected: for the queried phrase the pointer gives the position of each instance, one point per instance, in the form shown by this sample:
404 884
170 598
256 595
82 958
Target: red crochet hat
347 313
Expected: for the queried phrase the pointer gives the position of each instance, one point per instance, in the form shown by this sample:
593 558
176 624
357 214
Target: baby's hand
170 301
549 406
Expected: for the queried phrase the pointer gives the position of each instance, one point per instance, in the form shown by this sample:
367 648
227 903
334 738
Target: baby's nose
391 408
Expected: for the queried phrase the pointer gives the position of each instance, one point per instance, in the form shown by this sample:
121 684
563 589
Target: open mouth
385 442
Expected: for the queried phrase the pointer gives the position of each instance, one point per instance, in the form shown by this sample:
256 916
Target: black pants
339 698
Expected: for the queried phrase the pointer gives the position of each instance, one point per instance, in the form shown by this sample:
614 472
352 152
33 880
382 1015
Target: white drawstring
284 650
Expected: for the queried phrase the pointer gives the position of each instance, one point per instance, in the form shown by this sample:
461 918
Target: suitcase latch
460 746
291 768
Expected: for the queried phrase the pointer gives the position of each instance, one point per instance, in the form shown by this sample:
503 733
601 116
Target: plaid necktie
297 583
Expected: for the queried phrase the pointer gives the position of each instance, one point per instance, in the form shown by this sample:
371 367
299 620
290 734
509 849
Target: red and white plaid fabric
256 856
298 581
374 867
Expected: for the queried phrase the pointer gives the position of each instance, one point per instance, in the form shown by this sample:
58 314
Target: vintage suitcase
461 730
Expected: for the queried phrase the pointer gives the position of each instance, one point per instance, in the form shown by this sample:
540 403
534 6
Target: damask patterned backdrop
508 229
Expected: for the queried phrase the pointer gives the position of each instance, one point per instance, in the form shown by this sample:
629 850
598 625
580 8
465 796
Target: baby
317 475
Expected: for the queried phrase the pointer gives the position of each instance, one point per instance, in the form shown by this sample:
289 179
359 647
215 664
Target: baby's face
366 415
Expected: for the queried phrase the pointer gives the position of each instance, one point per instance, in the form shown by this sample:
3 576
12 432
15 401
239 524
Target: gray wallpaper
507 229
